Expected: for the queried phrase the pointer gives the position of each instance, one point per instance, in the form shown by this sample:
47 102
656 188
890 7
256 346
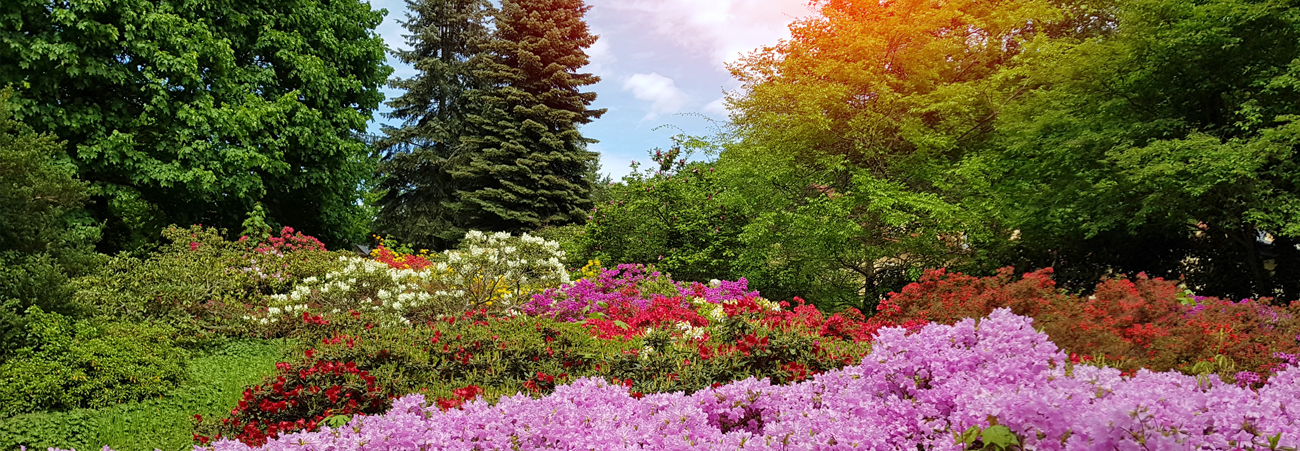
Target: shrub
1129 324
503 268
203 282
655 345
599 288
302 396
41 199
490 271
88 364
29 281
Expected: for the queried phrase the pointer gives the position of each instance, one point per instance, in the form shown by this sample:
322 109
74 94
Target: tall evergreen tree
526 160
418 204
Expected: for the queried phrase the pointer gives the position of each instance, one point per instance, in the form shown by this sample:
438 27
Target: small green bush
218 375
74 429
88 364
27 281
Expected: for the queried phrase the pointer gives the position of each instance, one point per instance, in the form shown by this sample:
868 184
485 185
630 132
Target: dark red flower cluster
543 382
751 343
300 397
846 325
310 319
460 396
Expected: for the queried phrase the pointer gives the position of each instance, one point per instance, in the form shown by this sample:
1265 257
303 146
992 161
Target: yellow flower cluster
591 270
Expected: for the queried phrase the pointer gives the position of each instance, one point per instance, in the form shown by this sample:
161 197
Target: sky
662 65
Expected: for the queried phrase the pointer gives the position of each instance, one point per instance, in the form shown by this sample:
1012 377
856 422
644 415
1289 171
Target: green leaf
999 436
969 436
336 421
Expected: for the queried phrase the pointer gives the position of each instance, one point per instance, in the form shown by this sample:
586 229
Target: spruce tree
419 196
526 160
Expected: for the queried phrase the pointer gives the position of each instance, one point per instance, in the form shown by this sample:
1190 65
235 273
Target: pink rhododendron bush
992 383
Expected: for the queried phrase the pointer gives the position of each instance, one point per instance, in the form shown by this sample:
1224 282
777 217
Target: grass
218 378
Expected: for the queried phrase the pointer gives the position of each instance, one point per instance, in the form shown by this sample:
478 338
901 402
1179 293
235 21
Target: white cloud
717 107
722 30
601 57
660 91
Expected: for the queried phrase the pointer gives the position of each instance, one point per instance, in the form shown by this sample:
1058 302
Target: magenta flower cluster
625 284
719 291
919 388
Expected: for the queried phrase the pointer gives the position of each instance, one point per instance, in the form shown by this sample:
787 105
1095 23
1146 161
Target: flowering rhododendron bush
664 347
496 271
202 279
1130 324
939 387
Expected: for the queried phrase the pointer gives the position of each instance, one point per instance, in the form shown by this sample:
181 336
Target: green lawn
218 379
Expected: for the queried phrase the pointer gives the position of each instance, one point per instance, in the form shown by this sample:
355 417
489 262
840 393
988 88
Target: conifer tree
418 203
526 160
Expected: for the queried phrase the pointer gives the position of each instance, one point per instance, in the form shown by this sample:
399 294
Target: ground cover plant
216 377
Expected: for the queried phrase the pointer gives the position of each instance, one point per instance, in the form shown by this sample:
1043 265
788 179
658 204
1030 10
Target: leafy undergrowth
218 378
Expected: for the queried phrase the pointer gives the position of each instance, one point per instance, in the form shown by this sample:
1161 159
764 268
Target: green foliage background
1104 138
178 112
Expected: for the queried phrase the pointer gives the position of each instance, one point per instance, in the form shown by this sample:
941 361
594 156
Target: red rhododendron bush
1128 324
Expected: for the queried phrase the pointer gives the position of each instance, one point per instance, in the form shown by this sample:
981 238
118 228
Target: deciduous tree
180 111
1166 144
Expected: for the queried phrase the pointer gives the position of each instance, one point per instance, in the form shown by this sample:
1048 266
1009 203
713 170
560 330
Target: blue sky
662 65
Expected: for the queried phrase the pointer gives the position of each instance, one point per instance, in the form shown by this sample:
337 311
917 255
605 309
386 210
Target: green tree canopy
1165 144
180 111
847 136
